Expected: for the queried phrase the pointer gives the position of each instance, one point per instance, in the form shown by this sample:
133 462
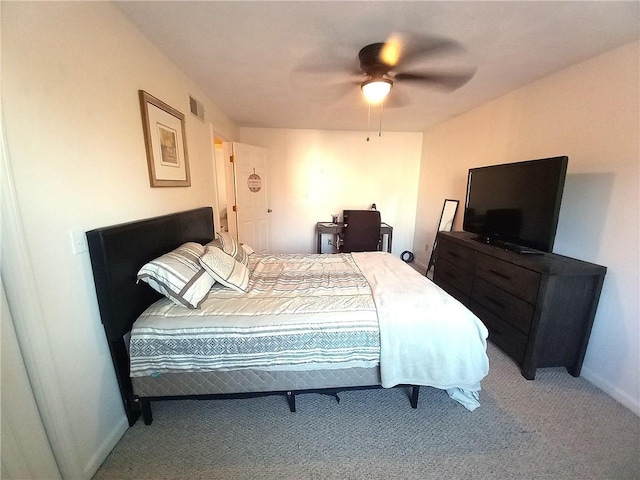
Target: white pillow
247 248
179 276
225 269
228 245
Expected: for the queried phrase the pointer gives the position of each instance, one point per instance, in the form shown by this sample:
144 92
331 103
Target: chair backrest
362 232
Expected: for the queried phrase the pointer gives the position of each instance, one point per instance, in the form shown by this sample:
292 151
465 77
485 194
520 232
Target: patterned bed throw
300 311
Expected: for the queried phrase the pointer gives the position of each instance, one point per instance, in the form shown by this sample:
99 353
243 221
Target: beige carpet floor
555 427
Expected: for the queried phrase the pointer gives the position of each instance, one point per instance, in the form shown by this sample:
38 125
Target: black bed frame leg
147 416
291 400
415 391
132 409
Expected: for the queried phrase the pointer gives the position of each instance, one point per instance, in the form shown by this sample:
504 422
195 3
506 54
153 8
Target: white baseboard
419 266
105 449
625 399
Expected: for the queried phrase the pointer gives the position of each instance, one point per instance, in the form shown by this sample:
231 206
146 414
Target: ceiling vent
197 108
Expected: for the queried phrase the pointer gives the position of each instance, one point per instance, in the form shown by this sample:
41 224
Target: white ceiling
252 57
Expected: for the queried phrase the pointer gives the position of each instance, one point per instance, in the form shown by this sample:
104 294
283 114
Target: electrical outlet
426 247
78 241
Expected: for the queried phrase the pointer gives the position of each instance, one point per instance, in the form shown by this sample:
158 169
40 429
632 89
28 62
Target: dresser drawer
460 256
453 275
507 307
454 292
519 281
509 339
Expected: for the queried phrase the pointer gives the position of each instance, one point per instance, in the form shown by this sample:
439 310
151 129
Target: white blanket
426 336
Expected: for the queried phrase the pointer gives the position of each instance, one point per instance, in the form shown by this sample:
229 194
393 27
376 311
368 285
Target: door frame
221 139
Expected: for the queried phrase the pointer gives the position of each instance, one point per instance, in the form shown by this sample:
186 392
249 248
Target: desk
329 228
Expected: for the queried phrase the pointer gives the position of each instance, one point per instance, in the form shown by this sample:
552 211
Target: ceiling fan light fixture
375 90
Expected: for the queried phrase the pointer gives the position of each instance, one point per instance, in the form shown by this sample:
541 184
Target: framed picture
166 143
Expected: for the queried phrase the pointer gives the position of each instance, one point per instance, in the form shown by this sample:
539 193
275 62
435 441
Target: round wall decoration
254 182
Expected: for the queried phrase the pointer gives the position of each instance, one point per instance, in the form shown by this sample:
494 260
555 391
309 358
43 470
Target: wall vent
197 108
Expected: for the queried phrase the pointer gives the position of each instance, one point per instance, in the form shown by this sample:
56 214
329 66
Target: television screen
516 204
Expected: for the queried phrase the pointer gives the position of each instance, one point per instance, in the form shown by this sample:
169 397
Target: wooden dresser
539 309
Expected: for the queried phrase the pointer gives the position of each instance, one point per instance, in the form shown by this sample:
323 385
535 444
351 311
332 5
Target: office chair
362 232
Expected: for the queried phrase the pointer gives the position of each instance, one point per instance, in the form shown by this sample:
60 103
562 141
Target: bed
337 322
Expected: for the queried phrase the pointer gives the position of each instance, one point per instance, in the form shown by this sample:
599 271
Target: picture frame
165 141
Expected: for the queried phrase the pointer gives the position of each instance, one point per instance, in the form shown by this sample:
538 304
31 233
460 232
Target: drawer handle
500 274
494 301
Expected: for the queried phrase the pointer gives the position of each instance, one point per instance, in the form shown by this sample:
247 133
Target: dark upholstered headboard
117 253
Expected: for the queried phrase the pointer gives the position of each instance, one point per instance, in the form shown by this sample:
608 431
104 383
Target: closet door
26 453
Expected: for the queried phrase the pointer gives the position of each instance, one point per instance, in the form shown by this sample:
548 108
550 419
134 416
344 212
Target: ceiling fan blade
412 47
448 81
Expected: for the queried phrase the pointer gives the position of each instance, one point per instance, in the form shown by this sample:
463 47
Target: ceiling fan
401 58
386 62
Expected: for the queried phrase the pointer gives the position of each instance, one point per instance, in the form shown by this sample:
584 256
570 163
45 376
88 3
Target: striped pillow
225 269
241 255
179 276
228 245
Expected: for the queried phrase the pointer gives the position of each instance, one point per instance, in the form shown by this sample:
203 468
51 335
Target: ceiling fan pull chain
380 127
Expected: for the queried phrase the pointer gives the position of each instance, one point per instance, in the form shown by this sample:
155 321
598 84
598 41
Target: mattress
301 312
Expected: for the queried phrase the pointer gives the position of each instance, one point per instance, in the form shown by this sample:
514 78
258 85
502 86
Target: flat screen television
516 205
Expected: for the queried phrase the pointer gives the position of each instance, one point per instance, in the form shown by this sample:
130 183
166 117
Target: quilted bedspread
301 312
304 312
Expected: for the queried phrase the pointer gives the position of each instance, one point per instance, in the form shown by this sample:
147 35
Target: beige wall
71 72
313 174
70 76
590 113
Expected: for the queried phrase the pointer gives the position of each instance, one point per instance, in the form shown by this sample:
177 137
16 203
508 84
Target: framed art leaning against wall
166 143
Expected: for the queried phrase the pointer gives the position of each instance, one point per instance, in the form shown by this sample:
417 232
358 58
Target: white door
250 185
26 452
